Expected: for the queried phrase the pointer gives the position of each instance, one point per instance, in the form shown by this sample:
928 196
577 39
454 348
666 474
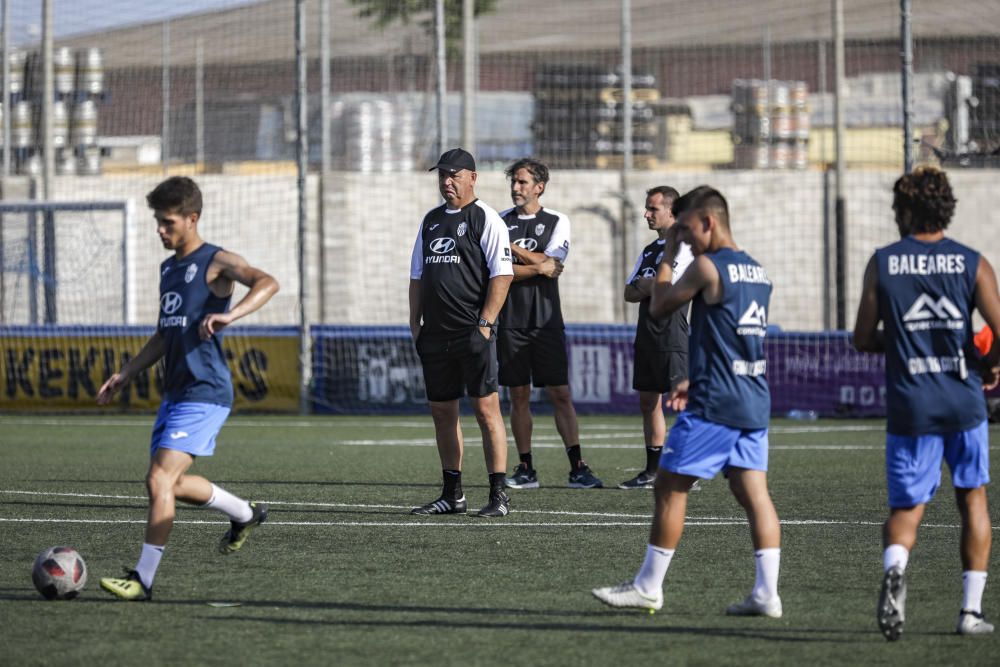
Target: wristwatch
483 322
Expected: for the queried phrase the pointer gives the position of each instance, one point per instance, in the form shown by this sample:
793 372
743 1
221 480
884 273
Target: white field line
690 521
334 422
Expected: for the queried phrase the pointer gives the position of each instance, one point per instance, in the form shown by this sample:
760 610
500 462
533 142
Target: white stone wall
371 222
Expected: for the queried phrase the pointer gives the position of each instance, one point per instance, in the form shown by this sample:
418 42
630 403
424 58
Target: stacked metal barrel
770 124
78 85
579 113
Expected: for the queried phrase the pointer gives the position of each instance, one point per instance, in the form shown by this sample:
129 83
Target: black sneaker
522 478
583 478
643 480
499 505
443 506
239 532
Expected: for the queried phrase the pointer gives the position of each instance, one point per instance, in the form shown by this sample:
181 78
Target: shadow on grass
490 620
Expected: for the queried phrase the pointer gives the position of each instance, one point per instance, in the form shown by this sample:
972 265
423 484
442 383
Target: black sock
525 459
574 456
653 458
452 484
497 481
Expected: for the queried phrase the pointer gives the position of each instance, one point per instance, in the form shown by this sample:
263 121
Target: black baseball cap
455 160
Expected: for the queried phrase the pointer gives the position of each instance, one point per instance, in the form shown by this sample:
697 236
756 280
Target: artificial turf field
341 574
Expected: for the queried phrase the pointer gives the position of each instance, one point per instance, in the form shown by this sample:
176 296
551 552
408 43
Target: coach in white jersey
460 272
532 342
923 288
660 349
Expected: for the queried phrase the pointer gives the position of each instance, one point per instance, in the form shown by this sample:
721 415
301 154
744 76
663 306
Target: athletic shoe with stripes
891 611
128 588
498 506
443 506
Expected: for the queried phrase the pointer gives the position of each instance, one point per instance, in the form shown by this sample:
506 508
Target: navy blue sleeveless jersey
726 356
195 369
926 295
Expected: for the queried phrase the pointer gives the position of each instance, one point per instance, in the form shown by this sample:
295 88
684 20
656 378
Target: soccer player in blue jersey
923 288
196 284
728 403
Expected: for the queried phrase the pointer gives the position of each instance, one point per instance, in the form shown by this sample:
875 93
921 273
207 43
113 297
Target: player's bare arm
150 353
496 294
550 267
226 269
867 337
988 304
701 277
416 309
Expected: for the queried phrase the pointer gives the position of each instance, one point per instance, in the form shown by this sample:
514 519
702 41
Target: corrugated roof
264 31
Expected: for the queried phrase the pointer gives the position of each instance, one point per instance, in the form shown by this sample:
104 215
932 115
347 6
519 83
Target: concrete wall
371 222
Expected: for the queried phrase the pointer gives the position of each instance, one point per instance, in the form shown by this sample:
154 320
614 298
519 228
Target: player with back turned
923 288
196 285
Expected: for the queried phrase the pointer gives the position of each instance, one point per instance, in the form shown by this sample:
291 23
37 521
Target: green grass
343 575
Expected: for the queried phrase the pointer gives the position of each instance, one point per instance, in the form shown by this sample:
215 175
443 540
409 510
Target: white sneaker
750 607
972 623
627 595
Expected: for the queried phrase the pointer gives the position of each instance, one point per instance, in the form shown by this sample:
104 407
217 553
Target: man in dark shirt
460 271
532 336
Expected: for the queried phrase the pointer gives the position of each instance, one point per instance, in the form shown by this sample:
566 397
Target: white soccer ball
59 573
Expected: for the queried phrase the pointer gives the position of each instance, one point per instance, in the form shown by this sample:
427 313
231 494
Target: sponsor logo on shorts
177 435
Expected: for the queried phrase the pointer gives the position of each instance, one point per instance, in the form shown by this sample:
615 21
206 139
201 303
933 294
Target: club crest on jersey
539 229
753 322
190 273
461 229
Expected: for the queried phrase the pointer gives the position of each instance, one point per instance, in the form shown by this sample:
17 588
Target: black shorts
533 356
458 363
659 370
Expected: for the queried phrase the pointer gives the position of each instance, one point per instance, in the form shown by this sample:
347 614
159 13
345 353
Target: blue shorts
702 448
913 463
188 427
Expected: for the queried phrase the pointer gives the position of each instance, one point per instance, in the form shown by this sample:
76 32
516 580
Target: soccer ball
59 573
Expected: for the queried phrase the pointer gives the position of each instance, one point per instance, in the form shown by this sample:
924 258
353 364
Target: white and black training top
534 303
456 254
670 333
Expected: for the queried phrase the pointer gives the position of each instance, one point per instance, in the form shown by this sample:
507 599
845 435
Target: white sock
235 508
895 554
973 583
649 581
149 560
767 562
